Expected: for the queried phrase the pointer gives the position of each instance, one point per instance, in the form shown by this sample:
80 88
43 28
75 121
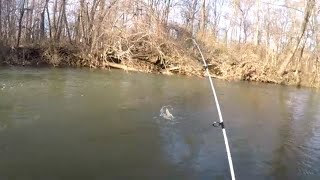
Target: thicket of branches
262 40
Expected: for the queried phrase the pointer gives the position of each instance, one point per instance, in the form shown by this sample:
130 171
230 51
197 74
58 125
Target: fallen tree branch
120 66
173 68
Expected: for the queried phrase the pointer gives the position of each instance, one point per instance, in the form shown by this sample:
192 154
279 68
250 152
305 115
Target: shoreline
156 72
226 69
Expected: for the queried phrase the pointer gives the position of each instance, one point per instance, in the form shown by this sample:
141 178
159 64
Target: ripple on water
174 143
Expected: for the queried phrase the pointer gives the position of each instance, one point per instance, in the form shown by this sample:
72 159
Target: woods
255 40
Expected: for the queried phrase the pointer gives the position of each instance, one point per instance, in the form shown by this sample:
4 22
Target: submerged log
167 71
120 66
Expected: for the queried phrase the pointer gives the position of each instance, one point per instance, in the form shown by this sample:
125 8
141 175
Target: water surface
91 124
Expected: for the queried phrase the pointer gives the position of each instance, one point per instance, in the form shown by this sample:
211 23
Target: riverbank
232 63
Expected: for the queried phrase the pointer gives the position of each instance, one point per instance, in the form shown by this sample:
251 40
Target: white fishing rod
217 124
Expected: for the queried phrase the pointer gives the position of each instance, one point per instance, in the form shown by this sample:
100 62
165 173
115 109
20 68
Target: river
94 124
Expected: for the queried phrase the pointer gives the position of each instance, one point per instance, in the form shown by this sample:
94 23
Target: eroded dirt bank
165 58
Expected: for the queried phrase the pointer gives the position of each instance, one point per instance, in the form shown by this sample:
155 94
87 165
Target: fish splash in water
165 112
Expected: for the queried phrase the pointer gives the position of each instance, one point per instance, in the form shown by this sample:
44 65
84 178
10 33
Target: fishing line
221 123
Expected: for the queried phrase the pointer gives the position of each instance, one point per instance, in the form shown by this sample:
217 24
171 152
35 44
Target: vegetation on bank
141 35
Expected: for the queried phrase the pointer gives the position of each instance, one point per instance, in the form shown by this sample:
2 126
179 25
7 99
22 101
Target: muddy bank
141 59
222 66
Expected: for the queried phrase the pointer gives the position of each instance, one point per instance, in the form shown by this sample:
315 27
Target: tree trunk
20 22
258 33
66 21
203 16
42 20
82 32
316 28
191 16
30 31
42 31
55 24
308 10
166 13
49 20
1 20
59 24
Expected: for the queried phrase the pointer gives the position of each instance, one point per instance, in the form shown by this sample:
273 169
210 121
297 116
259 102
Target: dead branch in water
119 66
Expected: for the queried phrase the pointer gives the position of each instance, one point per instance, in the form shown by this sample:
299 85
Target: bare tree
216 11
42 21
66 19
189 11
258 31
243 8
0 18
308 10
22 10
203 18
168 4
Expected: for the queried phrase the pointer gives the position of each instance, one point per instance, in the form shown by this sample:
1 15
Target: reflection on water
84 124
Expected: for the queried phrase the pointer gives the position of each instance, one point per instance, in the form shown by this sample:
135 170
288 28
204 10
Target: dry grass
159 51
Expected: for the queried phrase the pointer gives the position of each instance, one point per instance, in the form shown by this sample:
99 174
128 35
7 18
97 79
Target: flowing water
91 124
